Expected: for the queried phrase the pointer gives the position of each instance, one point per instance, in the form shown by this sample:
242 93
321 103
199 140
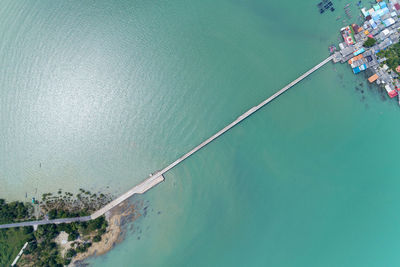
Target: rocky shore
63 244
117 219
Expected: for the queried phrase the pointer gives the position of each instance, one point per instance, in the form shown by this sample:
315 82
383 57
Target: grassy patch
11 242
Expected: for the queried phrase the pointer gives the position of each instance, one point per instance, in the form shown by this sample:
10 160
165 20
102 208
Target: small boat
332 49
348 4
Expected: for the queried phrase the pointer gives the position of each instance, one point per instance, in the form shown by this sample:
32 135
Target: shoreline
62 241
117 219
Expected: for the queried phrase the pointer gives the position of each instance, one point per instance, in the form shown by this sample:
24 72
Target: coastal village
365 46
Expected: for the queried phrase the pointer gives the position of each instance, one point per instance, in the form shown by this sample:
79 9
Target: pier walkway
158 177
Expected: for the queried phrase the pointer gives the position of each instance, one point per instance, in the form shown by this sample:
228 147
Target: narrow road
41 222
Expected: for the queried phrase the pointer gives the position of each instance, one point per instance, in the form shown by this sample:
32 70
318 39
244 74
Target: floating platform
325 5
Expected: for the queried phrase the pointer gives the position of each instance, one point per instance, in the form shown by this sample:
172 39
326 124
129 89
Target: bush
70 253
67 227
96 224
83 247
27 230
97 238
30 248
73 236
52 245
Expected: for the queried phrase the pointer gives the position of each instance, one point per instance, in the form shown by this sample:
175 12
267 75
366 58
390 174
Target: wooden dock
158 177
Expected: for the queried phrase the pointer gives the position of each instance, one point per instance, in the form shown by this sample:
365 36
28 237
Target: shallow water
101 94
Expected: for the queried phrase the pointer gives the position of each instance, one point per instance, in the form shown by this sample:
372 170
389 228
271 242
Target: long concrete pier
158 177
243 116
141 188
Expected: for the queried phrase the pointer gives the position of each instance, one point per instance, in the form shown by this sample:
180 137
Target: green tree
97 238
96 224
370 42
70 253
73 236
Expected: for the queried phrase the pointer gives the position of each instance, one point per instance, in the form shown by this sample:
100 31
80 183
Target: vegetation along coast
65 243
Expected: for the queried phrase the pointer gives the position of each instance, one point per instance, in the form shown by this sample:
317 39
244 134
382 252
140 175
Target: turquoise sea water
100 94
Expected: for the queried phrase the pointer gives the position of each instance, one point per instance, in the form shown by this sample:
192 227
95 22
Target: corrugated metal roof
373 78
